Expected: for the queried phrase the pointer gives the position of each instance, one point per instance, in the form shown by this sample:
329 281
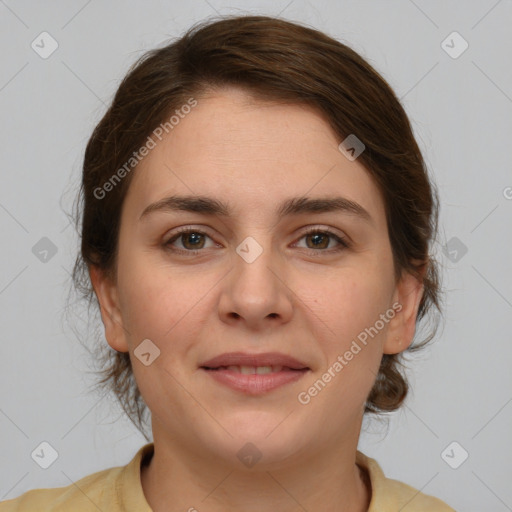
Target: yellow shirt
119 489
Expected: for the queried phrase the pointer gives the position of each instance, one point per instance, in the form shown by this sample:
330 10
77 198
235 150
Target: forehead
251 154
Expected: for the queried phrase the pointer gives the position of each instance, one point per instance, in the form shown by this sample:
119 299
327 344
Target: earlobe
401 329
106 293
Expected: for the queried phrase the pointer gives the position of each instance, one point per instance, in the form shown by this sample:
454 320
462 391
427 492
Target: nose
255 293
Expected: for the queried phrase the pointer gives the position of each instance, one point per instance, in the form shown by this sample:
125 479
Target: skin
295 298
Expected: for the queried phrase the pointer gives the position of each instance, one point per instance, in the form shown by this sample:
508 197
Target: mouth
255 370
254 374
246 360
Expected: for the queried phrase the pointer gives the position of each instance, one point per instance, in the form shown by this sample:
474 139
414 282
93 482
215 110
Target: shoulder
110 489
81 495
410 499
392 495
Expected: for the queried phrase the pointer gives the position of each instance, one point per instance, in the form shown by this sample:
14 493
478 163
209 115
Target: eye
192 240
317 238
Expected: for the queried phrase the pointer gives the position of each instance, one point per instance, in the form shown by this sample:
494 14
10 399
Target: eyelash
324 231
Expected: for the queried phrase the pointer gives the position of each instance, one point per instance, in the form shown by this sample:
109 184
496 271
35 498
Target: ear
106 292
407 297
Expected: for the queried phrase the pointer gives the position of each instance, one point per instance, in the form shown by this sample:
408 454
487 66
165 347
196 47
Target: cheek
343 316
347 303
159 301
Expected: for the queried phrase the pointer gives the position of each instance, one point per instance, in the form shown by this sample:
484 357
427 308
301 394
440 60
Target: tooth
261 370
252 370
248 370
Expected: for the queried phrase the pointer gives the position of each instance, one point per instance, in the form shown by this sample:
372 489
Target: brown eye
192 240
318 240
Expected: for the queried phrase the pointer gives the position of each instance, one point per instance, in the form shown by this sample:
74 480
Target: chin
261 435
257 425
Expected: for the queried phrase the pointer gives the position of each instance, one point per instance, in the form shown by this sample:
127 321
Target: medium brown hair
275 60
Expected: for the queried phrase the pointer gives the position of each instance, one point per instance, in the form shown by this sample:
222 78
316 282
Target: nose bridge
253 276
256 290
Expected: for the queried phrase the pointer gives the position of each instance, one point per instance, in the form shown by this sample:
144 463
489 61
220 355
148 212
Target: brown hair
275 60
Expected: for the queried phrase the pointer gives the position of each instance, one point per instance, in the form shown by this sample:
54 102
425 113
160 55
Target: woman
256 226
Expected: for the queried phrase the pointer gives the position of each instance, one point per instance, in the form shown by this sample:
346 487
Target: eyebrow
292 206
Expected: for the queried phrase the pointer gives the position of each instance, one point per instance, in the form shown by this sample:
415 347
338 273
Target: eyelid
324 229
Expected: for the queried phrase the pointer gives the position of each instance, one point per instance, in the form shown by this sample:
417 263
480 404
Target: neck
175 480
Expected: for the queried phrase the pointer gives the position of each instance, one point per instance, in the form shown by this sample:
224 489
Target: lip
245 359
254 384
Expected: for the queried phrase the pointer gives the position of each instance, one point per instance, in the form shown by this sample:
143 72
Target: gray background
461 113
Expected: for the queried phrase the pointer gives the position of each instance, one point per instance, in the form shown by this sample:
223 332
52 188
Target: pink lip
244 359
255 384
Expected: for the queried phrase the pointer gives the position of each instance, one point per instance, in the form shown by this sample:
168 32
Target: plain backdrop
460 103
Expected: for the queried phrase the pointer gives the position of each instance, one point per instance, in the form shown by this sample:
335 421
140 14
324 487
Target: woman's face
251 280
